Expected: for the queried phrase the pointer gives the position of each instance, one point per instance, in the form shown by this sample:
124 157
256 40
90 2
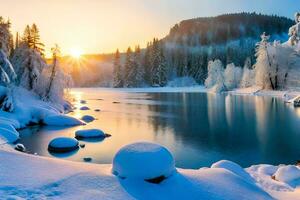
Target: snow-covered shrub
143 160
248 75
233 76
215 79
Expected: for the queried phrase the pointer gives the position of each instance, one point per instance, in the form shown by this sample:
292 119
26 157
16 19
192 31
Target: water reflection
198 128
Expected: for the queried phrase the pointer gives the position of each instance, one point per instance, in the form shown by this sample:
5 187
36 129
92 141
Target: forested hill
229 37
223 28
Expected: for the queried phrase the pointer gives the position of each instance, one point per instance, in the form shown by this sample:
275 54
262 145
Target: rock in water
87 159
63 144
87 118
20 147
83 101
90 133
84 108
82 145
143 160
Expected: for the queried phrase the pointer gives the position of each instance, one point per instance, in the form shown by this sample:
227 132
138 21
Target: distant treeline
186 50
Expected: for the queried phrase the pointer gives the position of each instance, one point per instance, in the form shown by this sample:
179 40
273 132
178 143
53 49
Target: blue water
198 128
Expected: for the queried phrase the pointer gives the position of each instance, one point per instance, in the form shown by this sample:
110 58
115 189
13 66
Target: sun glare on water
76 53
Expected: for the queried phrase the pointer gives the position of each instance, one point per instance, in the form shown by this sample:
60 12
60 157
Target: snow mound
63 144
87 118
287 174
62 120
89 133
234 168
84 108
267 169
8 133
185 81
143 160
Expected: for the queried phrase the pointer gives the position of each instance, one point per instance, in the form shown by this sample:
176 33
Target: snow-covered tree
294 31
28 64
53 80
248 75
117 72
272 65
129 72
233 76
161 74
139 74
215 76
7 73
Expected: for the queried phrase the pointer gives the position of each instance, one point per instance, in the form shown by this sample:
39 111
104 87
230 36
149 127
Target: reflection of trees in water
234 126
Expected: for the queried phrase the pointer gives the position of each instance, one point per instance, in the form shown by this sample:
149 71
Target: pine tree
27 38
36 41
147 65
31 37
162 69
139 73
118 79
129 76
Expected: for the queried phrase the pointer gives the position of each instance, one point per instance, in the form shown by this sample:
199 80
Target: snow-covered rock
83 101
234 168
90 133
20 147
87 118
63 144
143 160
287 174
62 120
84 108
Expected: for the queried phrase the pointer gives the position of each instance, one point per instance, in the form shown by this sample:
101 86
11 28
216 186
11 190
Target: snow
8 133
63 144
89 133
234 168
288 174
143 160
87 118
48 178
62 120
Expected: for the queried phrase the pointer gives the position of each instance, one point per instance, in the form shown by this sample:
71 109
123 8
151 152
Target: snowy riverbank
33 177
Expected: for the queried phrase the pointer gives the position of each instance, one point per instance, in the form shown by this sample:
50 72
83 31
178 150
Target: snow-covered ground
34 177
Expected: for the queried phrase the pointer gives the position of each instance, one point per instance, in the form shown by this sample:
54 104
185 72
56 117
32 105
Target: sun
76 52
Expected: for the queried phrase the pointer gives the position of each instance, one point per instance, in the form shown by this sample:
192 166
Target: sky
102 26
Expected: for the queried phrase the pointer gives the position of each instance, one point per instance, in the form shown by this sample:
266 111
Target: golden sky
98 26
